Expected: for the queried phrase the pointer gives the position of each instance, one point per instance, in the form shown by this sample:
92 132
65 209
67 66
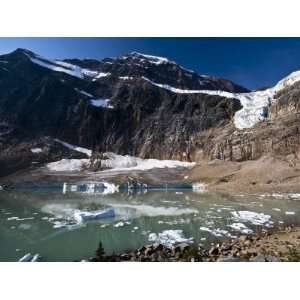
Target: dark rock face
159 70
141 119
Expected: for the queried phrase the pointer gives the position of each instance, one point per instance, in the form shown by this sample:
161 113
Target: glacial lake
41 219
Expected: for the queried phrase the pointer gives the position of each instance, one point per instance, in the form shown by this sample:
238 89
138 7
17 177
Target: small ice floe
252 217
59 224
169 238
19 219
81 216
199 187
276 209
30 258
119 224
104 225
295 196
175 222
289 212
241 228
217 232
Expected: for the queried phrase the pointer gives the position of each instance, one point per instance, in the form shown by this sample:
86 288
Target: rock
258 258
231 259
181 247
214 251
271 258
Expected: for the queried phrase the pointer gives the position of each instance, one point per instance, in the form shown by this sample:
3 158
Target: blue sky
251 62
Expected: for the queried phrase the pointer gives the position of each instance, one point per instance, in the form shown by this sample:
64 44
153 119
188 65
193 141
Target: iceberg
81 216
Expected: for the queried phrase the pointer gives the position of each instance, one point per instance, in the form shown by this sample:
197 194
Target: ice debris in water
252 217
217 232
169 238
241 227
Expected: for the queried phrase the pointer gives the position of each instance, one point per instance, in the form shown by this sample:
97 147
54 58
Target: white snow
36 150
157 60
126 77
100 75
70 69
169 238
86 151
255 104
84 93
68 165
126 162
101 103
252 217
115 162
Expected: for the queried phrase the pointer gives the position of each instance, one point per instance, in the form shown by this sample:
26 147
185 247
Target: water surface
40 220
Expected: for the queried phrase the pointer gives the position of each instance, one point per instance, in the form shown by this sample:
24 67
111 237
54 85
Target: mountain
135 104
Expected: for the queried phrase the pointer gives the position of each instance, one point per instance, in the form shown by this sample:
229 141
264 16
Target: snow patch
101 103
84 93
36 150
68 165
255 104
126 162
86 151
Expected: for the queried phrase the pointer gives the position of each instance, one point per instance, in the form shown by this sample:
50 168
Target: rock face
110 106
116 105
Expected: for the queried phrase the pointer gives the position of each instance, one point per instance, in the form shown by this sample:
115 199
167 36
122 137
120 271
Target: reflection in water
43 220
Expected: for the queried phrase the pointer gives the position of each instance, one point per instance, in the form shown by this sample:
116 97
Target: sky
251 62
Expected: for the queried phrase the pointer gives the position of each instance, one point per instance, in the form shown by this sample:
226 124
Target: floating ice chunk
241 227
151 211
252 217
199 187
120 224
81 216
276 209
217 232
289 212
30 258
169 238
26 258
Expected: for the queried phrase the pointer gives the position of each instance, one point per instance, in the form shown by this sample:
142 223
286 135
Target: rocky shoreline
281 246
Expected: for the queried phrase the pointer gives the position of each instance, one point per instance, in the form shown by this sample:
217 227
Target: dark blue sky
252 62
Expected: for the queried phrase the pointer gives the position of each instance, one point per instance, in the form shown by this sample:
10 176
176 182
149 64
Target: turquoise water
40 220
